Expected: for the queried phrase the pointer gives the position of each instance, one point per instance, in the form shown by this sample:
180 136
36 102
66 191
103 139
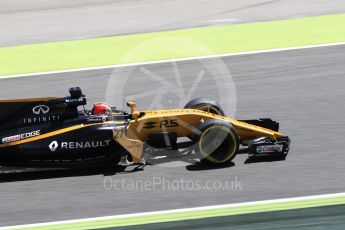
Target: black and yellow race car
55 132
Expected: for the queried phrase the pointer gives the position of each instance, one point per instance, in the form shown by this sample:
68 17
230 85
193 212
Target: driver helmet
100 109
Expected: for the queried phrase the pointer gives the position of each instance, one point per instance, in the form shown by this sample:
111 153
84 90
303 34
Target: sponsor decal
97 119
75 100
40 109
41 119
54 145
162 124
169 123
21 136
150 125
269 148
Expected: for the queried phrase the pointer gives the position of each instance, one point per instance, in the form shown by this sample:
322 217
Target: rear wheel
206 105
218 142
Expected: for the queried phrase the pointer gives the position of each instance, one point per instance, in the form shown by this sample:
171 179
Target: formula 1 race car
54 132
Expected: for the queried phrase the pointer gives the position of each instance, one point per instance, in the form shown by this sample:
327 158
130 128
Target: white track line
225 20
293 199
172 60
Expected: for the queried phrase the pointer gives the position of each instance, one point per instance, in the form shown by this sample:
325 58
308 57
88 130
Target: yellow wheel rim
206 154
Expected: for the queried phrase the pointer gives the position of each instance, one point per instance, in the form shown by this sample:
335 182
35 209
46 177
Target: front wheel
218 142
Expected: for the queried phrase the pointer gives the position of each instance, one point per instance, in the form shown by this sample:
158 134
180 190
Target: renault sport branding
269 148
55 145
20 136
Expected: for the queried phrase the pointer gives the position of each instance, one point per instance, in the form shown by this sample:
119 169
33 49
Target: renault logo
53 146
40 109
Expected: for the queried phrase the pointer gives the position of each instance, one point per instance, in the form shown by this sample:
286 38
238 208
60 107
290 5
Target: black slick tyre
206 105
218 142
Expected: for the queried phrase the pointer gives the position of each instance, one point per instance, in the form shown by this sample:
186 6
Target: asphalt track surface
330 217
303 89
26 22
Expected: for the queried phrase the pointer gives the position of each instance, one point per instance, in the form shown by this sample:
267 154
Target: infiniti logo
40 109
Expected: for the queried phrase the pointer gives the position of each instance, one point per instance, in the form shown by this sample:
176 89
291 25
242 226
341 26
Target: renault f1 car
55 132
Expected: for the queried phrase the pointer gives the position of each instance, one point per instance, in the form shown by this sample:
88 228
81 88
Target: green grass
172 44
190 215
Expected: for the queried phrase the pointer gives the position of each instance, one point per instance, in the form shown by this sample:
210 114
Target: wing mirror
134 112
132 105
